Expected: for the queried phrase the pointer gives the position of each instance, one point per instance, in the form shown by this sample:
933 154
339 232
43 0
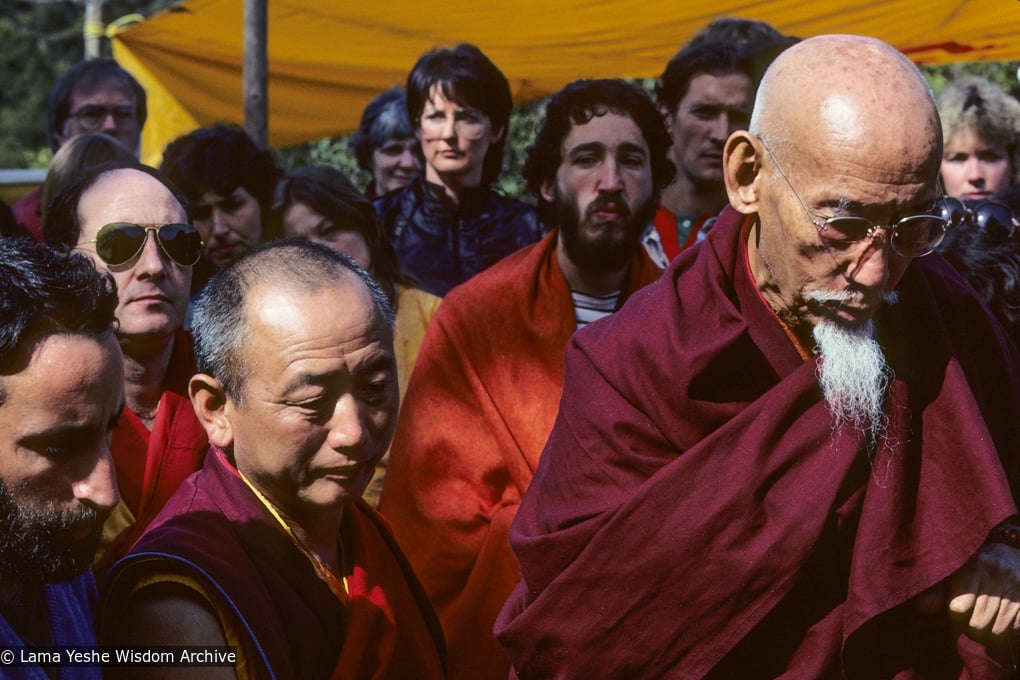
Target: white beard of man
852 372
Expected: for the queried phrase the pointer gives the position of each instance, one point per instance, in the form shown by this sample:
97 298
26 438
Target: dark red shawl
770 540
216 530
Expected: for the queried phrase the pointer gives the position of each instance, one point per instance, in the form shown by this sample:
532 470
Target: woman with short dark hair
449 225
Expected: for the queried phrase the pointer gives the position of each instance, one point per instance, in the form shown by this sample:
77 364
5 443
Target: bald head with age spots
853 125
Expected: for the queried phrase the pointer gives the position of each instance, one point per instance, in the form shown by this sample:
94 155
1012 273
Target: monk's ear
212 406
742 170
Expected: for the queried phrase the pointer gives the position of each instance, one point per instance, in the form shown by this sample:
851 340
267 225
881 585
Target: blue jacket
444 243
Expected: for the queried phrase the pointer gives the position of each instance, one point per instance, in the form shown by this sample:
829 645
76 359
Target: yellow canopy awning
328 58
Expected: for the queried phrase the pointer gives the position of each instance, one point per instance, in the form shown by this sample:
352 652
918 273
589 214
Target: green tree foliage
23 61
42 38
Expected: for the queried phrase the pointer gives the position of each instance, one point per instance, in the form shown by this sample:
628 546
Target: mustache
890 297
604 200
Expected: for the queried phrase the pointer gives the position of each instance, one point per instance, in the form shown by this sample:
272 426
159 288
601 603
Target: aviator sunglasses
119 243
993 218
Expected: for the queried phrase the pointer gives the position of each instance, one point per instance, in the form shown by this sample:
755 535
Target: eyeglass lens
468 124
912 236
91 117
121 242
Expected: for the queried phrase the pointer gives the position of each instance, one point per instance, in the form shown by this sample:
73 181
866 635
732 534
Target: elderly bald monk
826 483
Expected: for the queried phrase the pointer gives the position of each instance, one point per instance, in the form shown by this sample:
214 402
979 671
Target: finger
1008 611
961 604
986 608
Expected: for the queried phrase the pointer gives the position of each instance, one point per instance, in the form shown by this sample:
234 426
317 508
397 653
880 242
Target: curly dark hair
578 103
44 291
220 159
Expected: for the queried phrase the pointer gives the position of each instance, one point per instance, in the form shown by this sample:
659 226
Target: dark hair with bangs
467 77
222 158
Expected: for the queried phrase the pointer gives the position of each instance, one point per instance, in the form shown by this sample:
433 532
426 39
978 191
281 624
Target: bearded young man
483 395
61 391
771 508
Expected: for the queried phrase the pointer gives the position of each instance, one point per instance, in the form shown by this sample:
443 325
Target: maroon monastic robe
214 529
694 514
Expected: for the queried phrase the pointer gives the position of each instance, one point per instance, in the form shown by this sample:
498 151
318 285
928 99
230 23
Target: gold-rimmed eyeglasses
912 236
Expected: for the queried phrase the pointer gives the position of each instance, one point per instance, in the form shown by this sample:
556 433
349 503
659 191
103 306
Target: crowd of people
736 396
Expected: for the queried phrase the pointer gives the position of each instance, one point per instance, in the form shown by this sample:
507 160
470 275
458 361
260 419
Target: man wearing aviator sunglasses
798 452
132 223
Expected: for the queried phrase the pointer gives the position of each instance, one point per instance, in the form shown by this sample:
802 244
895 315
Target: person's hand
988 588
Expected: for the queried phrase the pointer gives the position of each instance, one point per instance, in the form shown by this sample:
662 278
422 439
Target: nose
347 431
150 260
449 130
408 160
720 128
98 488
974 171
610 178
220 223
109 123
871 271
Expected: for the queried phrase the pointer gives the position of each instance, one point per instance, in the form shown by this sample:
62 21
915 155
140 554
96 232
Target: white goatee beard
853 375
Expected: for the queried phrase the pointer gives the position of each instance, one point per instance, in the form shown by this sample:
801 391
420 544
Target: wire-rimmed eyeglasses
912 236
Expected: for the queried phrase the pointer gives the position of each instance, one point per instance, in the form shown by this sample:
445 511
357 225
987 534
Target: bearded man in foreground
796 452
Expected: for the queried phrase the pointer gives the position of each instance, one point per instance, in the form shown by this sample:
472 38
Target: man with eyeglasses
796 453
96 95
132 223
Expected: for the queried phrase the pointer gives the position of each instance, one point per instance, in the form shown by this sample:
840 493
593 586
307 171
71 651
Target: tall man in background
96 95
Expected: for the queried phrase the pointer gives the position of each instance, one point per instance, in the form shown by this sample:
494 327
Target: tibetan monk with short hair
269 547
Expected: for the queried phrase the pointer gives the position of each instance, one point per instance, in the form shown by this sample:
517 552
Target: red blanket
478 410
693 512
